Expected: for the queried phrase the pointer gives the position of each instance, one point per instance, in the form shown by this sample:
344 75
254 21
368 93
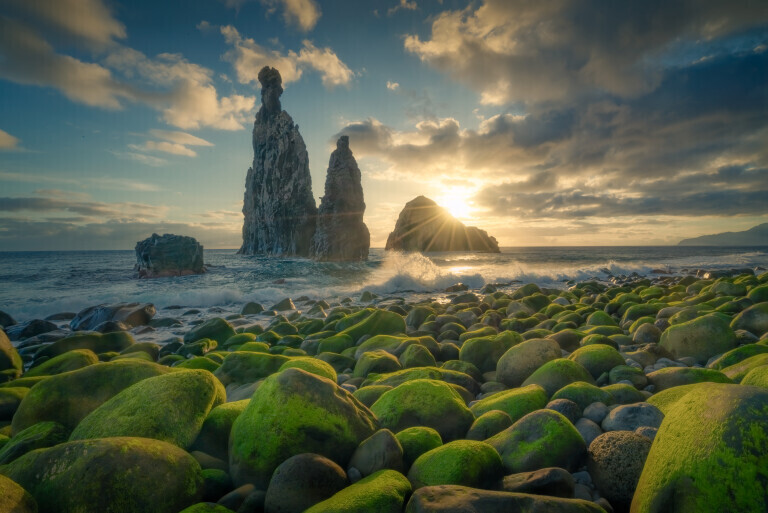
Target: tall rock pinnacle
278 206
341 233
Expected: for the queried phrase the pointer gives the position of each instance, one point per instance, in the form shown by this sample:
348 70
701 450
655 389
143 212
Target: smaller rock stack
341 234
168 255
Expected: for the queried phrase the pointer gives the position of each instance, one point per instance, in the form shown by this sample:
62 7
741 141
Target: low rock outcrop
341 234
278 205
423 225
168 255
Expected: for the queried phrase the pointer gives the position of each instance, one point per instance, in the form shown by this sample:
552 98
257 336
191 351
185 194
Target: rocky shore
648 395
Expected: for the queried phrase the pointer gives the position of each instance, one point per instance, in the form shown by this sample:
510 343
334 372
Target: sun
455 202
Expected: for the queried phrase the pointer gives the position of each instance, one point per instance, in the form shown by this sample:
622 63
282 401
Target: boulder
615 461
130 314
753 319
701 338
294 412
597 358
489 424
515 402
629 417
9 357
383 492
424 402
242 367
522 360
10 401
425 226
14 498
40 435
29 329
552 481
380 451
278 204
555 374
341 234
120 475
302 481
171 408
168 255
96 342
461 462
583 394
541 439
69 361
213 438
709 453
669 377
417 440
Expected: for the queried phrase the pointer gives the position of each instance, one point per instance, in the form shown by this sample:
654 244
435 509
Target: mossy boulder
312 365
753 319
72 360
9 357
583 394
483 352
555 374
216 329
522 360
488 424
302 481
378 361
417 440
200 363
544 438
737 371
757 377
120 475
293 412
416 355
14 498
242 367
516 402
461 462
380 322
424 402
600 318
449 376
335 344
213 438
709 453
701 338
624 393
171 408
382 492
370 394
41 435
665 399
669 377
96 342
68 398
10 401
597 358
737 355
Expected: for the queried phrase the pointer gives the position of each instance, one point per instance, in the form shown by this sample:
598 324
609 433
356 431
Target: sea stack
278 206
341 234
168 255
423 225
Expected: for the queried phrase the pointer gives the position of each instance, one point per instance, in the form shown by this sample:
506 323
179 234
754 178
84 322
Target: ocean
39 284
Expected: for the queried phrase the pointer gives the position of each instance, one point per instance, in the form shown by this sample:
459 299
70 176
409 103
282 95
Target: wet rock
552 481
29 329
131 314
168 255
302 481
615 461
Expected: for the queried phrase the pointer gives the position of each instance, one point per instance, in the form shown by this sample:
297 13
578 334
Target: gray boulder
130 314
168 255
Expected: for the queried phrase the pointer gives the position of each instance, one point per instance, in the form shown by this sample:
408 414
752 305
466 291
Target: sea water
38 284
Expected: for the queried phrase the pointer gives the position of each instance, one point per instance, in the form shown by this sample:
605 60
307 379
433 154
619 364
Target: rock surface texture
279 207
341 234
423 225
168 255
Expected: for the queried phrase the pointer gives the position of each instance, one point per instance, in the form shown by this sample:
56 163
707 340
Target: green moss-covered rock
461 462
388 343
242 367
14 498
737 355
628 373
702 338
424 402
120 475
335 344
378 361
449 376
416 355
583 394
555 374
665 399
382 492
10 401
757 377
737 371
215 329
522 360
67 398
370 394
9 357
600 318
516 402
171 408
312 365
200 363
213 438
43 434
380 322
544 438
489 424
597 358
417 440
483 352
96 342
709 454
753 319
623 393
670 377
294 412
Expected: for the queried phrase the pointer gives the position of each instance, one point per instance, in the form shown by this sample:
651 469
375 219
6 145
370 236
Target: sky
547 122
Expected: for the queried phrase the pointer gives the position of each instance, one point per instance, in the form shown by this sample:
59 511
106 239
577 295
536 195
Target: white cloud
302 14
392 86
147 160
248 57
179 137
404 5
165 147
101 183
7 141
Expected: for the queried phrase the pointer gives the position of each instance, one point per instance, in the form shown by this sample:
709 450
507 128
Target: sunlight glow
454 200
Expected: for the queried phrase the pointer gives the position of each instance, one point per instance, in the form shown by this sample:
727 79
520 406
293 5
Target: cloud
248 57
562 49
147 160
392 86
173 142
165 147
88 21
183 92
97 182
180 138
7 141
404 5
78 203
302 14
